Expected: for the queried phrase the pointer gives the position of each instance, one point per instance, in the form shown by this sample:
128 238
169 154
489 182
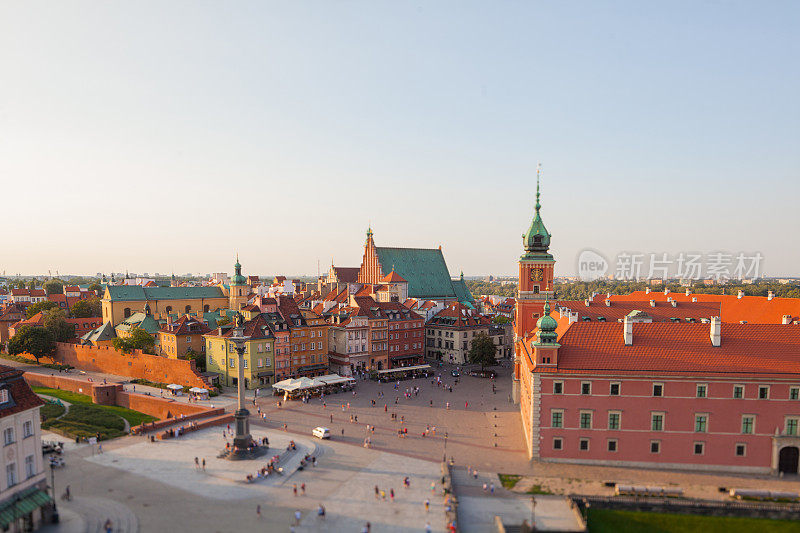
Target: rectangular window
613 420
11 474
657 421
245 362
794 393
655 446
658 389
586 420
741 450
27 429
30 467
556 419
700 423
558 443
583 444
612 445
8 436
260 363
614 389
699 448
791 426
586 387
738 391
210 360
558 387
748 421
763 392
702 390
232 362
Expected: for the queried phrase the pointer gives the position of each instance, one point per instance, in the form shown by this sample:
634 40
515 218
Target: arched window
169 309
240 292
127 312
187 308
206 308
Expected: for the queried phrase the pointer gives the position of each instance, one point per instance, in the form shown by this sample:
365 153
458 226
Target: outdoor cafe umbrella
174 386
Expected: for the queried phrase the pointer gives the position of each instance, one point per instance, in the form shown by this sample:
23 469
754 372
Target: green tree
32 283
55 320
53 286
138 339
86 308
38 342
482 350
223 320
500 319
96 288
40 306
199 359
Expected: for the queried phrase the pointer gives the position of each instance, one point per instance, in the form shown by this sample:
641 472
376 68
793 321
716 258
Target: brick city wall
134 365
112 394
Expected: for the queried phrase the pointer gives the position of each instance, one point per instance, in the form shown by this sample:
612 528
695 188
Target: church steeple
536 240
546 326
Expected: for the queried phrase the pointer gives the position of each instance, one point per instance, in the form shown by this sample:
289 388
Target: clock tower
536 268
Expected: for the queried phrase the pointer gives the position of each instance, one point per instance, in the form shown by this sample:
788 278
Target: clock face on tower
537 274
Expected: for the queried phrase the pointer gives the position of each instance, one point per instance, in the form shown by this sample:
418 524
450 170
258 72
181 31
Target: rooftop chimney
674 303
652 303
740 295
647 290
694 298
608 302
627 333
770 295
573 317
716 331
787 319
666 291
688 292
586 301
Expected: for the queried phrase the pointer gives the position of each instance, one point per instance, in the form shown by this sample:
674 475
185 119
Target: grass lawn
607 521
509 481
50 411
134 418
537 489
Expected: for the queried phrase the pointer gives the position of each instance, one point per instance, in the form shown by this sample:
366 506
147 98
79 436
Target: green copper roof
536 240
462 292
546 325
136 292
423 268
105 332
139 320
238 279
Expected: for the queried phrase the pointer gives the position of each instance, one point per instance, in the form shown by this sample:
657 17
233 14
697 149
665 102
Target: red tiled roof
683 348
463 316
753 309
186 325
346 274
393 277
19 391
662 312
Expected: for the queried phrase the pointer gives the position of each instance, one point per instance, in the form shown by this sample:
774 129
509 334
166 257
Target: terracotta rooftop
681 348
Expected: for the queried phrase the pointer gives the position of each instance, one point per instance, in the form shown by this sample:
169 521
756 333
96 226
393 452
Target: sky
168 136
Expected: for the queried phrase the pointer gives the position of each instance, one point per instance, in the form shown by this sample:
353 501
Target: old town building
185 335
450 332
658 381
23 489
258 360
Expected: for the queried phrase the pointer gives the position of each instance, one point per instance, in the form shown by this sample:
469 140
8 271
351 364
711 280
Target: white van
321 432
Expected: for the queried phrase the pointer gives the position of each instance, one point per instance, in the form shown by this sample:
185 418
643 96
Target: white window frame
738 386
590 388
619 388
759 392
587 440
702 447
736 449
554 412
704 388
653 390
657 442
558 383
616 445
752 425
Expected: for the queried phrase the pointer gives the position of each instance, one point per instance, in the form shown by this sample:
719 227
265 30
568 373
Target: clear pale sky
166 136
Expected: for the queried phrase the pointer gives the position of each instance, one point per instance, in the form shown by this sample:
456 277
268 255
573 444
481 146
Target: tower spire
538 173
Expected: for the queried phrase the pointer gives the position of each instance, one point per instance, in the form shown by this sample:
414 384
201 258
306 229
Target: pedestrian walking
491 488
196 463
258 510
427 505
303 488
391 495
321 512
294 489
204 464
297 516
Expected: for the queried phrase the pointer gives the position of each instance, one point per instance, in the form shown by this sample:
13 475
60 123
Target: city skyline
169 143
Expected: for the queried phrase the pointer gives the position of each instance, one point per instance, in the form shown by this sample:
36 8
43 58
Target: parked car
321 432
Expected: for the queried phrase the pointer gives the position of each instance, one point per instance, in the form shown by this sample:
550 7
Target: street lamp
53 490
243 445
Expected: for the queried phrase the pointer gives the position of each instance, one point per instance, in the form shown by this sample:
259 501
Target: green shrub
94 416
50 411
